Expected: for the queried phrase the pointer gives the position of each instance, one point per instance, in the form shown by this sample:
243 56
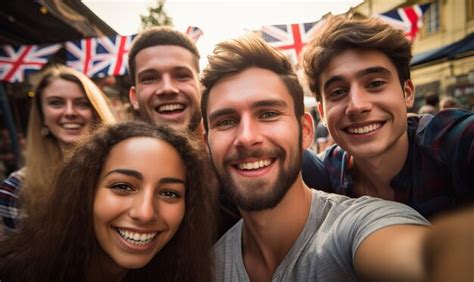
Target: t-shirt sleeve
364 216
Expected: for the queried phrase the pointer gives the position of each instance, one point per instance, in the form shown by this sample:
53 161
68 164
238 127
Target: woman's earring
44 131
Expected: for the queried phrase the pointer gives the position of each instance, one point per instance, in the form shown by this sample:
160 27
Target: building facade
443 51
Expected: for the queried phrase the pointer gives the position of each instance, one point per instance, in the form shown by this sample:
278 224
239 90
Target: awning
48 21
456 50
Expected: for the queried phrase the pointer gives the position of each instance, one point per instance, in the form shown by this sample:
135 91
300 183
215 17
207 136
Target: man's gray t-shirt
325 249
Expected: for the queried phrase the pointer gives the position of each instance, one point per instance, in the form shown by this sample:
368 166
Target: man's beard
192 126
249 198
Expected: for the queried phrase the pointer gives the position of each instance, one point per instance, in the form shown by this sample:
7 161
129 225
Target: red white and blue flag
194 33
102 56
408 19
17 62
290 38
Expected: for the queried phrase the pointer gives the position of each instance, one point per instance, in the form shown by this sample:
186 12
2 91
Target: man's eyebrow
139 176
221 112
372 70
179 68
173 68
147 71
359 74
333 79
269 103
128 172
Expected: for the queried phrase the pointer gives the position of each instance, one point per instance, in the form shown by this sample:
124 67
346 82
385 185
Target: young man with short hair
164 69
256 131
359 71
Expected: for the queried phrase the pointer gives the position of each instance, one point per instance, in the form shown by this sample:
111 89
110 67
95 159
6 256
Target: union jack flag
194 33
102 56
290 38
17 62
408 19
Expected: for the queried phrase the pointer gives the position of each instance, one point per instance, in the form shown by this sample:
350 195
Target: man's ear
132 95
409 93
202 132
319 105
307 129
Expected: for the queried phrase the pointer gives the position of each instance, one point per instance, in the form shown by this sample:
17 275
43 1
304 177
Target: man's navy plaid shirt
438 173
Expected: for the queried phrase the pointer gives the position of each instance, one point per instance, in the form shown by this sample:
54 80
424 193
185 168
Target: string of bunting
95 57
104 56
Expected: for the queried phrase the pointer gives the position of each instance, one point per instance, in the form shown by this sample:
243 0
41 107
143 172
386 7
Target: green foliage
156 16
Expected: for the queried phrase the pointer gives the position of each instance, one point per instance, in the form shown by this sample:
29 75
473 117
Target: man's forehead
249 82
355 62
234 99
167 55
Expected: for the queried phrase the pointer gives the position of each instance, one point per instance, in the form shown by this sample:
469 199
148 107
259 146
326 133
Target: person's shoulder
450 117
332 204
447 123
314 172
371 209
356 218
14 180
311 156
342 202
355 207
332 153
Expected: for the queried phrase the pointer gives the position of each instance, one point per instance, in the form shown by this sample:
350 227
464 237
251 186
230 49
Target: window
470 9
432 17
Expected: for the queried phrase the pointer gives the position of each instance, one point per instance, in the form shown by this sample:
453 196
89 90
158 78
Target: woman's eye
55 103
170 194
83 104
122 187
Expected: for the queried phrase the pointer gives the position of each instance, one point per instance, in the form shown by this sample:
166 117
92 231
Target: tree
156 16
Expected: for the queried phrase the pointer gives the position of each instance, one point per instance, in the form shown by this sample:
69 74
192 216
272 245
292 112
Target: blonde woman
67 106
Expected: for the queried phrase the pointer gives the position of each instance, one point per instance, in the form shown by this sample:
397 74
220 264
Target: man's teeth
71 125
364 129
137 238
254 165
170 107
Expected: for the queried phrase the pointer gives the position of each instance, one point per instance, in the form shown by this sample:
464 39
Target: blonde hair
43 155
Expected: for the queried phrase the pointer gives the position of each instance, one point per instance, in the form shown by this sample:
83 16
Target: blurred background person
66 106
322 138
8 162
427 109
431 104
448 102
